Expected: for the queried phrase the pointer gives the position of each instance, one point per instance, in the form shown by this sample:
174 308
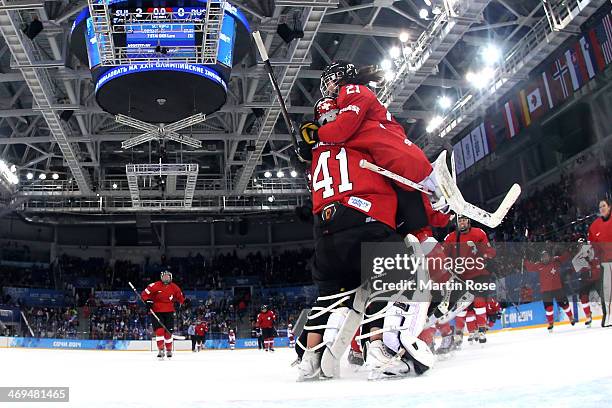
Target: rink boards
514 317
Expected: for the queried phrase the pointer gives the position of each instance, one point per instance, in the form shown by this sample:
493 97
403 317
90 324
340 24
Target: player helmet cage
335 75
264 307
325 110
166 277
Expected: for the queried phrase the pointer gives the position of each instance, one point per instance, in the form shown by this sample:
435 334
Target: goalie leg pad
421 354
606 298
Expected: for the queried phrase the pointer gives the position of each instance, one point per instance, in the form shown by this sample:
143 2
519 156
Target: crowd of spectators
52 322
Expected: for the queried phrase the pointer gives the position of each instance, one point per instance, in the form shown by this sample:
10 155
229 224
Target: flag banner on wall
479 142
459 164
512 123
468 151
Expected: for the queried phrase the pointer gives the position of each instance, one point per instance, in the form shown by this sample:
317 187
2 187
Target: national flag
468 151
560 87
600 60
459 164
603 32
587 55
547 90
512 123
495 125
576 66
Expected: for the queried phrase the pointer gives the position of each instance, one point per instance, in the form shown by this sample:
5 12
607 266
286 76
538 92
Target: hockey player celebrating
160 297
469 243
551 285
351 205
600 236
231 339
265 321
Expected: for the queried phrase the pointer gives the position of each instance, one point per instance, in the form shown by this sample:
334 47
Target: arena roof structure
68 153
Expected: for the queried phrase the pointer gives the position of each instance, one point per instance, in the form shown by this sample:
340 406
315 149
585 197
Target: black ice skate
573 322
160 354
550 327
588 321
482 338
169 353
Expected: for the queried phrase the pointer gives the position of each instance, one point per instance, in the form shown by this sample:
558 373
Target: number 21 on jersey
327 182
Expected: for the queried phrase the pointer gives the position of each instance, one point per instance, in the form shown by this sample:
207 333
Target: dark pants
167 318
194 340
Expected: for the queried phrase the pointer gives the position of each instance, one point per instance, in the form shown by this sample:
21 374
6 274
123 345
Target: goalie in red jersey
160 297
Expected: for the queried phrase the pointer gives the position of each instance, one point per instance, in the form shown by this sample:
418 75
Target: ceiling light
427 2
267 174
42 176
491 54
423 13
280 174
404 37
395 52
386 64
271 199
29 176
55 176
13 168
434 123
436 10
115 186
294 173
445 102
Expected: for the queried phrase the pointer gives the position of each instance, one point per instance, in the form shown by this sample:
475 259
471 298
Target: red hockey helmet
325 110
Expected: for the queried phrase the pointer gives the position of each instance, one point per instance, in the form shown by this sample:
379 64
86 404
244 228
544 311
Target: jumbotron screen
176 39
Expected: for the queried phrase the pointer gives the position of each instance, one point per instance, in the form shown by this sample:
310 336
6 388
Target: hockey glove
149 303
309 132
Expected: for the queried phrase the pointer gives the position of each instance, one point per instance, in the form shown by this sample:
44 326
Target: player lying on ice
353 205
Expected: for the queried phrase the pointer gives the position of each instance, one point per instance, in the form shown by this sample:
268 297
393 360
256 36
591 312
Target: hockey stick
451 193
176 337
27 324
266 60
389 174
455 199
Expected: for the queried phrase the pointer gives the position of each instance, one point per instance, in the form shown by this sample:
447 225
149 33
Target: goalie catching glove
309 133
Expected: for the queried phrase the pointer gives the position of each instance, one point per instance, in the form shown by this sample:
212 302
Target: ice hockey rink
521 368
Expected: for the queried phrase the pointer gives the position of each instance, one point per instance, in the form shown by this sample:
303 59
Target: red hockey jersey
600 236
201 329
473 243
265 320
367 124
337 177
550 276
163 296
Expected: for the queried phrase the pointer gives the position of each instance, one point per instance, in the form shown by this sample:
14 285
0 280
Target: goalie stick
266 61
451 192
176 337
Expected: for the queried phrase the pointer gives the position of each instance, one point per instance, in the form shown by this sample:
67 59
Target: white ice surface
529 368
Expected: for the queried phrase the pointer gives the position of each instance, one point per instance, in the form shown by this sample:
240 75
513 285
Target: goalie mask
335 75
325 110
166 277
